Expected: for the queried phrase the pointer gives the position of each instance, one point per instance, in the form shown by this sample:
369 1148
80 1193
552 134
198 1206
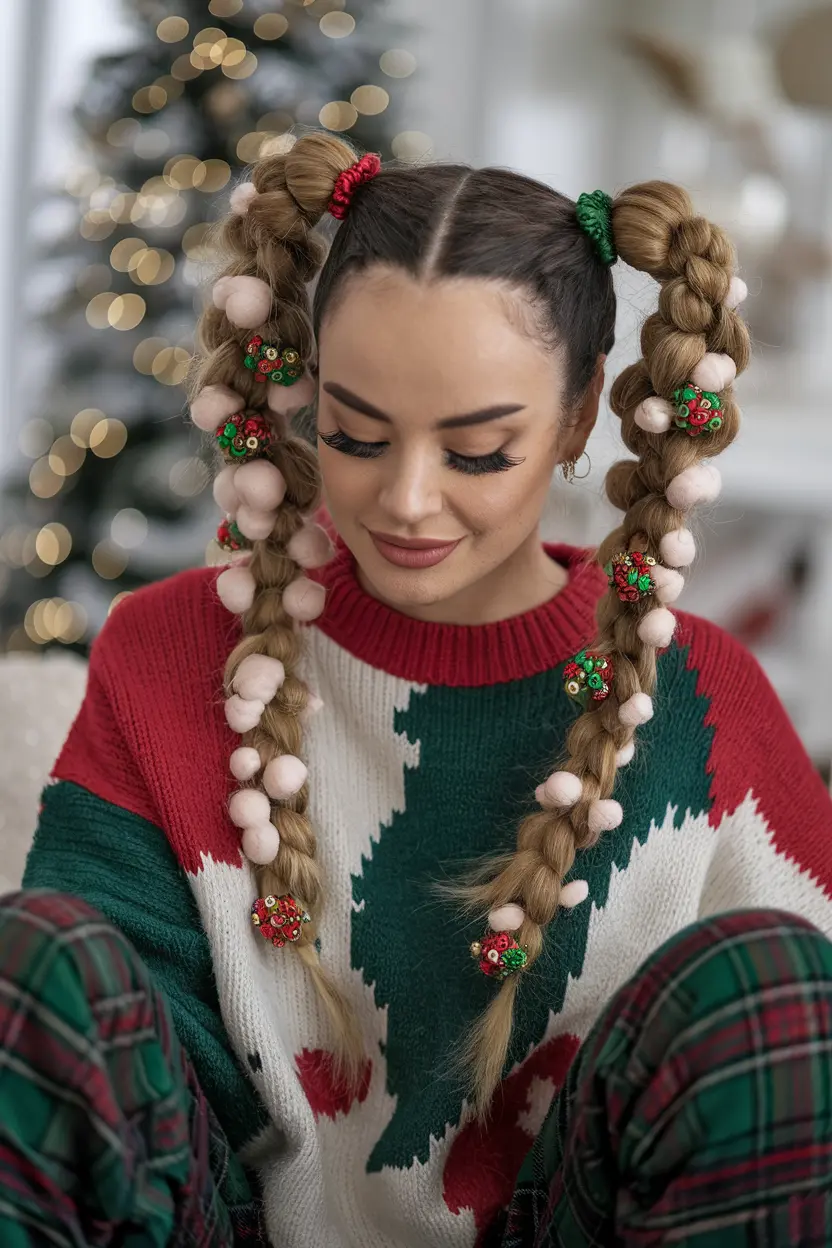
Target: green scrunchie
594 212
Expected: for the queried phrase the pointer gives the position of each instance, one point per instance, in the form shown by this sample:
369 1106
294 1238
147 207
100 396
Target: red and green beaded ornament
629 575
244 436
279 919
697 410
499 955
588 677
229 536
269 363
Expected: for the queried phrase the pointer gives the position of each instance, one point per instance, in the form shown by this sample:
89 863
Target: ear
584 416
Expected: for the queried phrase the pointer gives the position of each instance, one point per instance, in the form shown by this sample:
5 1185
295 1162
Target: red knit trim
756 750
462 654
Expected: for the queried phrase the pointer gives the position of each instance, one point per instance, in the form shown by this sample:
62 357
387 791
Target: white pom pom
213 405
247 300
669 583
249 808
220 291
243 714
225 492
304 599
241 197
604 815
701 483
573 894
260 485
236 589
261 843
244 763
714 371
506 918
737 292
636 710
253 524
654 415
259 677
677 548
284 776
286 399
562 788
657 627
625 754
310 547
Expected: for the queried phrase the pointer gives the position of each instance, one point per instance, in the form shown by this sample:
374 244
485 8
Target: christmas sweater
425 757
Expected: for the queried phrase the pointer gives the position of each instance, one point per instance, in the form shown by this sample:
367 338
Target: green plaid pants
105 1134
698 1112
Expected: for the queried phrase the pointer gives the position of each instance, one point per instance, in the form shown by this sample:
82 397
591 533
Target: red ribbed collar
461 654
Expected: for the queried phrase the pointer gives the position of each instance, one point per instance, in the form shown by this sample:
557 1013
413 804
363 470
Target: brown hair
443 221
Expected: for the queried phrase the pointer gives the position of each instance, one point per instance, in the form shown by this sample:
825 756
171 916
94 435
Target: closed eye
472 465
340 441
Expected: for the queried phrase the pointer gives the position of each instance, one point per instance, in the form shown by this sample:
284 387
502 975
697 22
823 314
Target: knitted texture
426 754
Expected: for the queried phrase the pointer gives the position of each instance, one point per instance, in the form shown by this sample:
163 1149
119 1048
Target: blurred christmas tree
118 495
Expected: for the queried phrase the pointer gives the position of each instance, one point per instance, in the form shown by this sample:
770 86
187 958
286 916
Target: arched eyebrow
481 417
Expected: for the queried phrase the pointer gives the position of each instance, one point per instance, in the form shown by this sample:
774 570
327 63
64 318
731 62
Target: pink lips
413 552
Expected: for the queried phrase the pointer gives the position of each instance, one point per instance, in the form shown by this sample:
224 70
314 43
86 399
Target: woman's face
440 423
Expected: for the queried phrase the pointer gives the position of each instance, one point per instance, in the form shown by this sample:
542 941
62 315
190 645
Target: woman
356 1068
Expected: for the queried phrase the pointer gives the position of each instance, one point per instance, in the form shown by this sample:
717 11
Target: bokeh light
412 146
53 544
224 8
109 560
397 63
171 365
54 619
66 456
43 482
107 438
338 115
123 132
172 29
126 311
370 100
271 26
337 25
129 528
83 423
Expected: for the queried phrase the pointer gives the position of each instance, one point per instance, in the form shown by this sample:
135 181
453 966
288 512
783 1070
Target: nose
411 491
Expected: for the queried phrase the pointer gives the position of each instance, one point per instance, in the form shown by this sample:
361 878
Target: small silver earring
568 469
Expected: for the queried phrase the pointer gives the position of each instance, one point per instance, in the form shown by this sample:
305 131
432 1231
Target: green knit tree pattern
481 753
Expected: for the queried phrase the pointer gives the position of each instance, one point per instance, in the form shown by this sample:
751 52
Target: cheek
348 483
503 503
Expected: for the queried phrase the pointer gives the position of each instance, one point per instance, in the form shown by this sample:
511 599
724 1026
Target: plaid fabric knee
105 1135
699 1110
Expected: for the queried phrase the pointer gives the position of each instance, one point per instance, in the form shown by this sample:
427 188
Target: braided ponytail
694 329
271 240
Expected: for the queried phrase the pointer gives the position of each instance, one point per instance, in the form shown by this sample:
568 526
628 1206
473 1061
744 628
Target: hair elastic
594 213
243 436
346 184
269 363
588 677
630 574
279 919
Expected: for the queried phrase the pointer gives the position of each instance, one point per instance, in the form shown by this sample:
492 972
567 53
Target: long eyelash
478 465
340 441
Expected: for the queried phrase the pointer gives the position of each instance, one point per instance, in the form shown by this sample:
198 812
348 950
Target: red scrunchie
345 184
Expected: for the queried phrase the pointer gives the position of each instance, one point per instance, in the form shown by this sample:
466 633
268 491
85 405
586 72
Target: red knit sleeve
96 755
756 751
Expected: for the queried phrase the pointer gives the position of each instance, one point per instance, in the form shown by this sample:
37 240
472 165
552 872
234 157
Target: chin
409 587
